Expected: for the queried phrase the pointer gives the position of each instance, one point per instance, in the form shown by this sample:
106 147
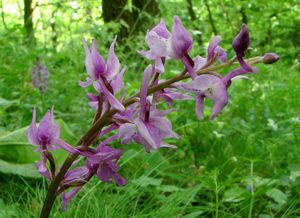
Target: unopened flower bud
270 58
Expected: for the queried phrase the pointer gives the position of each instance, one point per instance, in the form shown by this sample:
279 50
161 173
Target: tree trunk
28 23
116 11
54 35
244 16
210 17
132 21
2 15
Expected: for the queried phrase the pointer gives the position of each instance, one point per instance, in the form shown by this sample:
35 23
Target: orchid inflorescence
137 119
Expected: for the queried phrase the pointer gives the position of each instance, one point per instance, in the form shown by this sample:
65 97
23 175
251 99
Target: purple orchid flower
103 75
240 45
214 88
164 44
169 95
78 175
102 162
116 85
157 39
44 137
46 134
151 126
214 52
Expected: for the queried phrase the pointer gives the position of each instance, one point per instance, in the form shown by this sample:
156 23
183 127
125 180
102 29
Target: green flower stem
105 119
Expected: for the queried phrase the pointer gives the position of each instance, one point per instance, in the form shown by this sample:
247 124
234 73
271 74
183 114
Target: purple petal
201 83
112 64
115 103
119 179
157 44
161 113
87 83
164 126
144 88
109 170
117 82
220 98
146 136
109 129
66 197
239 71
55 130
215 41
76 174
244 64
159 65
240 45
241 41
42 167
32 130
199 63
222 56
161 29
98 61
127 132
177 96
88 59
181 40
104 173
106 149
148 54
200 106
92 97
189 67
109 139
48 130
60 143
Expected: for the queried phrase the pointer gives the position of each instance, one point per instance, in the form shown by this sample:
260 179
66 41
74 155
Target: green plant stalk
104 120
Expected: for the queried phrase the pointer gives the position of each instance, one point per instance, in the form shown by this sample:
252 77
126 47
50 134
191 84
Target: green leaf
26 170
194 214
277 195
235 194
294 172
4 103
145 181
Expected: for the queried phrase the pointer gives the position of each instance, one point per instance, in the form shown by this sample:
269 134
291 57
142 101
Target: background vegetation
246 163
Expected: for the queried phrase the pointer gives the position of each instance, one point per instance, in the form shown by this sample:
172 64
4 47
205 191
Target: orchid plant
136 119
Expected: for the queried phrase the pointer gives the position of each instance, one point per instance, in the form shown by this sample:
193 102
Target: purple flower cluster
139 119
40 76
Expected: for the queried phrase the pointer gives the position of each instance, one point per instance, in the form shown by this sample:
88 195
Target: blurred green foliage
243 164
